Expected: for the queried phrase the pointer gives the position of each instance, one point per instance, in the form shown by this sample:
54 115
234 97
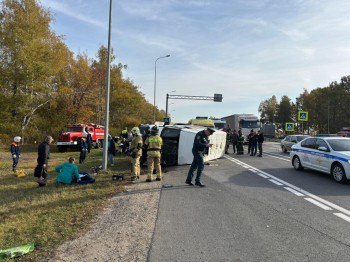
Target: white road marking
263 176
310 195
270 155
315 202
276 182
293 191
346 218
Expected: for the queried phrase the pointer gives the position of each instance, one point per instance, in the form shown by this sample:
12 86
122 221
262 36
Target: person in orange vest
154 145
15 152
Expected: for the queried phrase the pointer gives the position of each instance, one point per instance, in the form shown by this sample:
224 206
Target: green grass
48 216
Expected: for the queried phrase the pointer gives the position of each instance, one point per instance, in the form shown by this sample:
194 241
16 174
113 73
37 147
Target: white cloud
248 50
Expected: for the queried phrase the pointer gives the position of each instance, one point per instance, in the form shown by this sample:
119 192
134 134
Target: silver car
288 141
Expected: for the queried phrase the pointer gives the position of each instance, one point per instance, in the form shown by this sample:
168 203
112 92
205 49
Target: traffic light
217 97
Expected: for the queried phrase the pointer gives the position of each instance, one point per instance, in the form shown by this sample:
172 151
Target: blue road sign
303 116
289 126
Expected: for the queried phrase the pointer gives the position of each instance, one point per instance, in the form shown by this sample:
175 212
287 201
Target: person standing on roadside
83 148
254 145
260 142
200 145
240 150
234 140
250 140
135 153
88 140
15 152
111 150
228 138
154 145
43 160
144 148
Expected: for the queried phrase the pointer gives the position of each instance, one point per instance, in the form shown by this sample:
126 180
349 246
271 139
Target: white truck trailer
245 122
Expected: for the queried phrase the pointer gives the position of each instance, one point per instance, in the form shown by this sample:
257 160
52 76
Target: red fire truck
71 138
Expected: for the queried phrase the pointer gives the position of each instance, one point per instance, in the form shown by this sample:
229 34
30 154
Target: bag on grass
16 251
85 178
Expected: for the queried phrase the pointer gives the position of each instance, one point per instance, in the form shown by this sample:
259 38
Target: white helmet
135 130
17 139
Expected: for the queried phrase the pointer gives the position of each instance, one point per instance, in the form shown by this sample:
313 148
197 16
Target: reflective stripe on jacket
154 143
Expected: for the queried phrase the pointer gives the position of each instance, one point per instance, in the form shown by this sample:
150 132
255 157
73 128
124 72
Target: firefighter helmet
17 139
135 131
154 130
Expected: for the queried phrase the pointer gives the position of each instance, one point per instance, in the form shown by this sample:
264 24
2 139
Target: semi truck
269 130
243 122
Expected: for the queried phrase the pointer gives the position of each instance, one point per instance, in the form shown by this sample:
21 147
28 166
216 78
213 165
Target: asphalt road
253 209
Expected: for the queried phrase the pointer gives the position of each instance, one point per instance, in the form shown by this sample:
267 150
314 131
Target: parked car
330 155
325 135
288 141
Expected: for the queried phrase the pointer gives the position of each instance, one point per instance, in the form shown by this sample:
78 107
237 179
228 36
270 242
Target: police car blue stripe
325 155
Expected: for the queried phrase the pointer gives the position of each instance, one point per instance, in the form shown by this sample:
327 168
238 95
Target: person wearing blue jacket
67 172
15 152
200 146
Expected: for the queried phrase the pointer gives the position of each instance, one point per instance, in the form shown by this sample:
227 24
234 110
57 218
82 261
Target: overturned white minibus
178 142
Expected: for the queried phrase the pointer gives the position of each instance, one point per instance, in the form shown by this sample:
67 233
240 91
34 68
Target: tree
284 111
30 56
268 110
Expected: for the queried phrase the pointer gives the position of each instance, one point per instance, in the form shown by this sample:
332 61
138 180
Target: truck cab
74 133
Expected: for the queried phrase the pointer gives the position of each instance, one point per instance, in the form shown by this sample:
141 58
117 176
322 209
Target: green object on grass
16 251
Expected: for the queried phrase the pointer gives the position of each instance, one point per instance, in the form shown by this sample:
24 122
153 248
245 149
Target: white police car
330 155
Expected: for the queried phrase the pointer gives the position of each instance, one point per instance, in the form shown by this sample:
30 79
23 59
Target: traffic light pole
215 98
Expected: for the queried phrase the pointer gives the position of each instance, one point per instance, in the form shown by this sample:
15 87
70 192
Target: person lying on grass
67 172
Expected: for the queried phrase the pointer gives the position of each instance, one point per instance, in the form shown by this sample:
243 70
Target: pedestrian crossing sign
303 116
289 126
166 120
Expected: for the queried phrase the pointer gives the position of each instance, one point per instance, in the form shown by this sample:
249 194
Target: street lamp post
108 83
155 86
167 98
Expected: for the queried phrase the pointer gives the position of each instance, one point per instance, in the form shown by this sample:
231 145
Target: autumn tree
30 55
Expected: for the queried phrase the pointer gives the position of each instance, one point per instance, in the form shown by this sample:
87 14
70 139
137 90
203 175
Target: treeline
44 87
327 107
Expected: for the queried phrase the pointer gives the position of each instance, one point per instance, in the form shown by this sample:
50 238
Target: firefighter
135 153
15 152
240 143
154 145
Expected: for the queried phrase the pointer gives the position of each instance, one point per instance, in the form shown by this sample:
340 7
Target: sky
246 50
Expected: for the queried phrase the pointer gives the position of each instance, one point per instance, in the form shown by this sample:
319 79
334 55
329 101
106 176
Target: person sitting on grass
67 172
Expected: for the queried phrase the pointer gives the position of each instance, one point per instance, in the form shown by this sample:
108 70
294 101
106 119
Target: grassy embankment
48 216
